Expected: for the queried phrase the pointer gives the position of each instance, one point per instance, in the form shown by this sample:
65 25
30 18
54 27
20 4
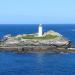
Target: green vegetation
40 38
18 39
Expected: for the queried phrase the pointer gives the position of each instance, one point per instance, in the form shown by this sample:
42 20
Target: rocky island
49 41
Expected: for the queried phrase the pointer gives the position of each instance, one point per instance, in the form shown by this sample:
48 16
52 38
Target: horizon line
39 23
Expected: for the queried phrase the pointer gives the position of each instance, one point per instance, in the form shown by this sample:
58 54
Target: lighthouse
40 31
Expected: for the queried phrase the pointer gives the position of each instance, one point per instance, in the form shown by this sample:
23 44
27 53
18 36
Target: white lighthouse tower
40 31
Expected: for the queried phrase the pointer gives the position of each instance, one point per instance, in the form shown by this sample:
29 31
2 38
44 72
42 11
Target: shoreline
37 49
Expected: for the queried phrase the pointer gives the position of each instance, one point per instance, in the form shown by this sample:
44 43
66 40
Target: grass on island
39 38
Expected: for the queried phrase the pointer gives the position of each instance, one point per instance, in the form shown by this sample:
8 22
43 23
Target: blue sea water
38 63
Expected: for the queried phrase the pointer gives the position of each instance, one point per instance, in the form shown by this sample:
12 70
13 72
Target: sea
37 63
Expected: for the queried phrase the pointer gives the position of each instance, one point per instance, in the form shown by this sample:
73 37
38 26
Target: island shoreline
38 49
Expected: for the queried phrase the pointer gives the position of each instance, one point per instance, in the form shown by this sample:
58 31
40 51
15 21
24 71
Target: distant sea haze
67 30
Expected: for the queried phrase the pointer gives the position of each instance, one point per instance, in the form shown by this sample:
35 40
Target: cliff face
50 41
48 38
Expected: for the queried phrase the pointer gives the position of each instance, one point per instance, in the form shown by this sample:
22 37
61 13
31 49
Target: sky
37 11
